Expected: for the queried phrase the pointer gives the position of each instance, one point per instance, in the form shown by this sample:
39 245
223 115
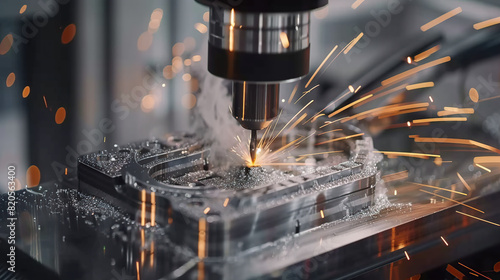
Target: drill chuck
258 44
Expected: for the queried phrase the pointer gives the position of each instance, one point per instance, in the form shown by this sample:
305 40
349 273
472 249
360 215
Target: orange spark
463 204
474 217
446 243
60 115
438 188
440 19
306 92
11 78
349 105
206 210
353 42
322 214
338 129
226 202
321 65
409 60
6 44
415 70
284 40
474 271
197 57
455 272
351 88
202 239
151 260
455 111
244 99
315 117
401 113
68 34
464 182
406 154
356 4
332 122
407 256
137 268
385 109
23 9
486 23
384 93
457 141
440 120
45 101
201 27
293 93
425 54
231 32
143 207
32 176
474 95
341 138
480 166
496 267
26 91
408 123
420 85
153 209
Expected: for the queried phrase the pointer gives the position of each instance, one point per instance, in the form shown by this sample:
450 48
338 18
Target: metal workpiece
73 227
165 207
243 208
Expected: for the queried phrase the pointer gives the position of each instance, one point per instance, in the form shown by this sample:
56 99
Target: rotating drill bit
255 106
253 146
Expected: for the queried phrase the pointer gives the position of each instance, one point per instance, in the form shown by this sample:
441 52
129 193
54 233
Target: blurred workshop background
81 75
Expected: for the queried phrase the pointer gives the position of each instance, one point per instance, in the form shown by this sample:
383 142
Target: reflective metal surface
259 32
77 236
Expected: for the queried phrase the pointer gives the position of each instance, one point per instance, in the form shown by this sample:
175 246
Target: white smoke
213 118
